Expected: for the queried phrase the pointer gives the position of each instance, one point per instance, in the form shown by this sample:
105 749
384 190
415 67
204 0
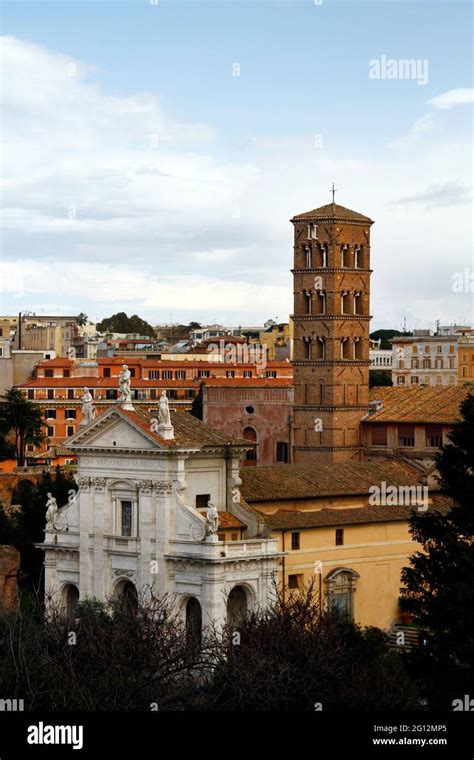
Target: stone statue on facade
88 408
124 386
164 410
212 519
51 510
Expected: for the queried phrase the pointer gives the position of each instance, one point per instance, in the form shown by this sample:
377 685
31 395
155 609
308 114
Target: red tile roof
283 482
285 519
332 212
228 520
418 403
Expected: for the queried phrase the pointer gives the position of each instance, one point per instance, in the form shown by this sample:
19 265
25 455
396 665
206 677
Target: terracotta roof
332 212
291 519
282 482
418 403
103 382
249 382
228 520
189 432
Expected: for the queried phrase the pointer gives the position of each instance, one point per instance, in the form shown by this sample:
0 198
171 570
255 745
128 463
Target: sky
155 150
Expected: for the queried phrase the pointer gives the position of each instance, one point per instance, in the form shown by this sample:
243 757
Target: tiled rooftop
418 403
332 211
282 482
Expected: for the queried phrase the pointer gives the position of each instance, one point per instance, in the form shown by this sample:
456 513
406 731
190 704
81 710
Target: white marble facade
134 524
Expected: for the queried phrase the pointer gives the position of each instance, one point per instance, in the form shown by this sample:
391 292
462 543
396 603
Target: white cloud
452 98
179 227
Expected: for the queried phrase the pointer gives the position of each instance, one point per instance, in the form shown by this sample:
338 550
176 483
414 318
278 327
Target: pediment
112 431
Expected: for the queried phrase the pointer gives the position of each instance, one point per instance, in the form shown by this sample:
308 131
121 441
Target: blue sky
153 180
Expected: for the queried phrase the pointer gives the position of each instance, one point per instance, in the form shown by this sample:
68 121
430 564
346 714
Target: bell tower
331 277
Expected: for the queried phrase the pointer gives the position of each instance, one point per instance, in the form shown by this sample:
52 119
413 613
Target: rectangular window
282 452
111 394
50 414
106 371
50 393
31 393
339 536
50 431
379 435
70 392
181 374
132 371
247 373
48 373
203 373
70 430
66 373
202 499
153 393
434 436
414 380
126 518
295 581
167 374
270 373
70 414
230 373
295 541
406 435
234 537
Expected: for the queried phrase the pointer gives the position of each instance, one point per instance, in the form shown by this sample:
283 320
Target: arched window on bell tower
319 348
357 348
358 257
322 255
309 301
357 302
307 347
344 255
320 302
345 348
345 302
308 256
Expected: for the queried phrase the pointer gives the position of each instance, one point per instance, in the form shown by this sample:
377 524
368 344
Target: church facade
144 520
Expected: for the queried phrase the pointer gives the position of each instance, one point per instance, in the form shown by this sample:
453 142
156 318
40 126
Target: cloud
451 98
434 196
110 203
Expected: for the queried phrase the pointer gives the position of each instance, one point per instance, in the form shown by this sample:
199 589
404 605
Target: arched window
320 301
319 348
70 600
307 347
344 302
344 255
193 622
251 456
308 257
357 348
237 606
345 348
127 595
340 589
308 297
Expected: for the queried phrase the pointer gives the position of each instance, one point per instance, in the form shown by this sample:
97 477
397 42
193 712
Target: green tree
21 422
377 378
81 319
196 408
121 323
438 586
386 336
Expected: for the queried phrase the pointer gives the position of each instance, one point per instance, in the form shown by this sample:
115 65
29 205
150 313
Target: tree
377 378
438 586
197 408
385 336
21 420
121 323
297 656
81 319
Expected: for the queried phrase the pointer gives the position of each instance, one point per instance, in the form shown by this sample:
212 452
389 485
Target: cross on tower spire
333 190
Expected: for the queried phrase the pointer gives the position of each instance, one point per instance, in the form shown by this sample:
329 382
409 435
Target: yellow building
276 338
338 524
466 359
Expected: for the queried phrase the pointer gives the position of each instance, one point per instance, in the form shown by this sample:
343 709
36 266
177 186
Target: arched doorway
237 606
127 595
250 434
70 600
193 622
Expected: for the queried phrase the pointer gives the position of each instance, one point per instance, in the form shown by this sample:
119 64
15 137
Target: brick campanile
331 279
